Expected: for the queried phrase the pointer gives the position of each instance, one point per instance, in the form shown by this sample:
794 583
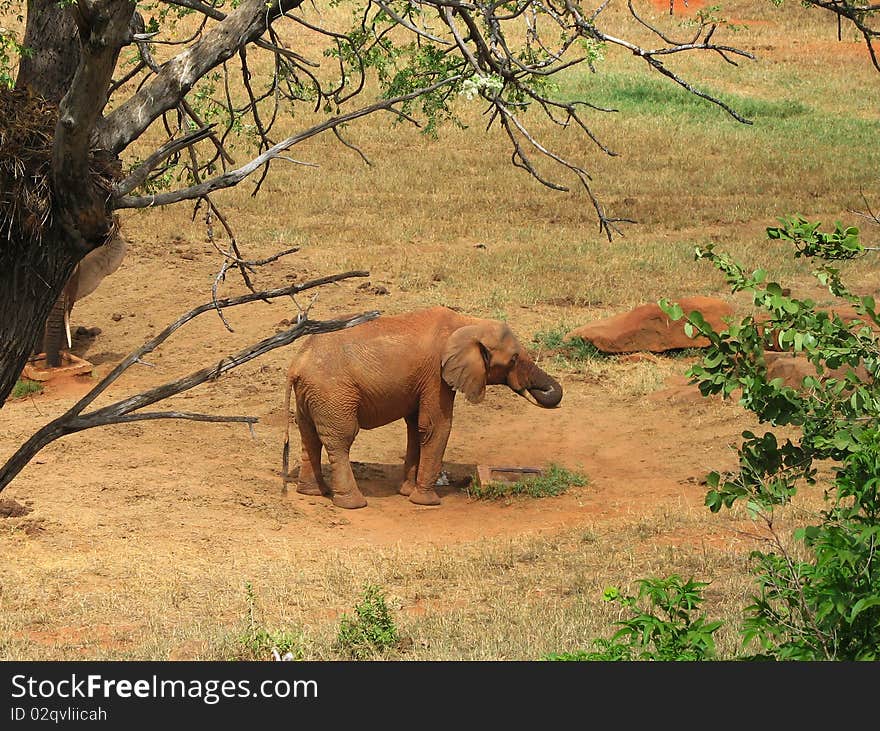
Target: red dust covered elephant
400 367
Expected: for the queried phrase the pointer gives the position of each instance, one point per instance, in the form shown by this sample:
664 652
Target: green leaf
672 309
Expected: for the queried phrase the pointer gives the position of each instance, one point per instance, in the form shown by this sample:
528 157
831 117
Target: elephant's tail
285 454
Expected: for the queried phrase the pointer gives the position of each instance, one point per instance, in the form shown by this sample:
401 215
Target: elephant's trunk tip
548 395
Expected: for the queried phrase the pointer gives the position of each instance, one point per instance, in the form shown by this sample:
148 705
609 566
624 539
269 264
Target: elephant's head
488 353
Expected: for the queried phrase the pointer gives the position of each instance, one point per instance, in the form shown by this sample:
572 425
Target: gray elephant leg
346 493
413 449
55 334
435 424
310 481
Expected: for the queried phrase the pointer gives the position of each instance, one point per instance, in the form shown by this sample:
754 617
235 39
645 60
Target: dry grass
687 173
517 598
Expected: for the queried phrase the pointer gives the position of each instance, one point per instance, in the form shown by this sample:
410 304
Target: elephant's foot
311 488
349 500
406 487
424 496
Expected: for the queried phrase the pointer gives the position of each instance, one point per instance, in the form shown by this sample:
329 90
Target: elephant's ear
463 366
96 265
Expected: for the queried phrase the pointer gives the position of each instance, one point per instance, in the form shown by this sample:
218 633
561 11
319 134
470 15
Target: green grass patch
574 349
258 643
655 96
25 387
555 481
788 123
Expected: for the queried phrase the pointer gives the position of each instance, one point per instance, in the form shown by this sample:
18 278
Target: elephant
86 277
408 367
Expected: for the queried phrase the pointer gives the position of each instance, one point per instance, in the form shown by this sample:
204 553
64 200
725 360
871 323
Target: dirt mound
12 509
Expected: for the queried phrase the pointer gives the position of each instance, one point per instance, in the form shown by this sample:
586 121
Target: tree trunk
30 287
51 32
72 72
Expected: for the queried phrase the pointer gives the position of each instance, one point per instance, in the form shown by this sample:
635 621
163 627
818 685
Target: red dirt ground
639 451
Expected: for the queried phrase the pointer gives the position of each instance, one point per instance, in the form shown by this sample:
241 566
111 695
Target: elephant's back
382 337
396 349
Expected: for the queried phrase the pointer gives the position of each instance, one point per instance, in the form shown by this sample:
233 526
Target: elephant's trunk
544 388
56 337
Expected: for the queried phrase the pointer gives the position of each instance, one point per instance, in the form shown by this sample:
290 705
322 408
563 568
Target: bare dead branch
140 174
409 26
73 420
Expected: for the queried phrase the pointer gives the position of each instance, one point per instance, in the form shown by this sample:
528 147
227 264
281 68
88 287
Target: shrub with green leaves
826 606
371 631
661 625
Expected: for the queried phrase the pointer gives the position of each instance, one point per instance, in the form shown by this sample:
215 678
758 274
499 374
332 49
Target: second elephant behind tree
401 367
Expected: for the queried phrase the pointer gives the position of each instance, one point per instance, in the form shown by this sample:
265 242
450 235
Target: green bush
662 630
825 606
371 631
256 642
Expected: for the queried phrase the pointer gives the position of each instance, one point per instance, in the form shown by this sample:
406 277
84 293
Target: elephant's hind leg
310 481
411 463
346 493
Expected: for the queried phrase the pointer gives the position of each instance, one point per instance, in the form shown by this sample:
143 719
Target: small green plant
24 387
256 642
574 350
371 631
663 630
555 481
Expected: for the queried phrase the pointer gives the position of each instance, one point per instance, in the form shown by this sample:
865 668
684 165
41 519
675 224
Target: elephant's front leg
413 450
435 424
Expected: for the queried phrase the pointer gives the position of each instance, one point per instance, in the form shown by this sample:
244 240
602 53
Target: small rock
189 256
87 332
116 317
369 287
792 368
480 246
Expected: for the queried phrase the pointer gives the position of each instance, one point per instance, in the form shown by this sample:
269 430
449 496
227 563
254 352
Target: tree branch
103 30
126 410
243 25
233 177
140 174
